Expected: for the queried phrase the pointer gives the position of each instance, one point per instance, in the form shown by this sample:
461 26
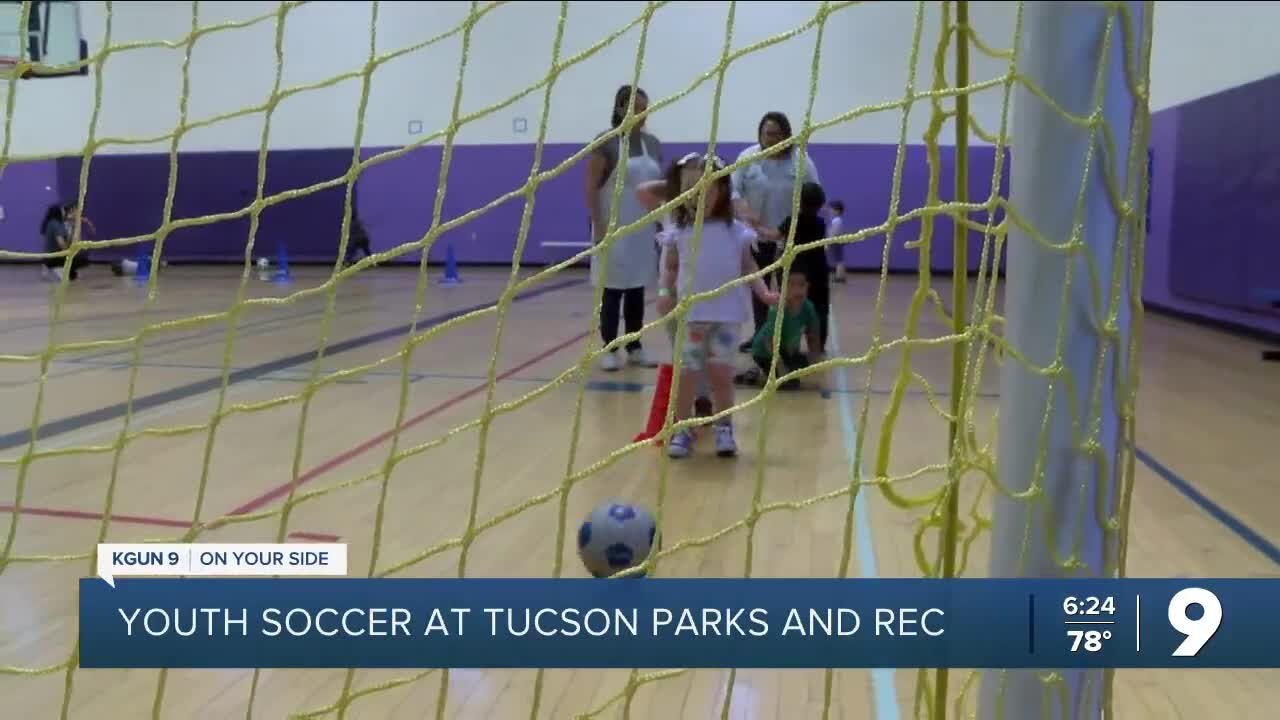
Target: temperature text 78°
1091 640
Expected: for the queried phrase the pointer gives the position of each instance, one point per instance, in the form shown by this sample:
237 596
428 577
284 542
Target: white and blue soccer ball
616 536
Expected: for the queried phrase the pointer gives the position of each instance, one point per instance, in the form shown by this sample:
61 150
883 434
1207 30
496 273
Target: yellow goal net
1024 352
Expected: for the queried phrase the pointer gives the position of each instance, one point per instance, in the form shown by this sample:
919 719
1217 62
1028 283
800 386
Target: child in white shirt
720 256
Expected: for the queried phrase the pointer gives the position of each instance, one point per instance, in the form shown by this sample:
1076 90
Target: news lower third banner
677 623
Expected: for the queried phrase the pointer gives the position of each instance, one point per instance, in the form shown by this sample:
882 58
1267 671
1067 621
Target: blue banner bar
678 623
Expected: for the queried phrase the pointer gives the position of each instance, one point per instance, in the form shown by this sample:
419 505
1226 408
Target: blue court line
306 379
243 330
119 365
883 689
1235 525
297 375
255 328
54 428
1250 536
219 328
6 329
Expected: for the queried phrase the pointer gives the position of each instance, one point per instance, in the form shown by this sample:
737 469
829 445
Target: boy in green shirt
799 320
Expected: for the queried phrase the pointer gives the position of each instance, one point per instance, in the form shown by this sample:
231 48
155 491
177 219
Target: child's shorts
708 342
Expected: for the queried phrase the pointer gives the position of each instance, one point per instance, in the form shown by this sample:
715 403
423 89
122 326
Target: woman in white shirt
632 260
763 190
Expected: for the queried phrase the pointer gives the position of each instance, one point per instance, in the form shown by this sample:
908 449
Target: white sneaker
725 445
609 361
639 358
681 444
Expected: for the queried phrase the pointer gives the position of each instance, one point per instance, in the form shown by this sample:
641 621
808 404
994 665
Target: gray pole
1056 310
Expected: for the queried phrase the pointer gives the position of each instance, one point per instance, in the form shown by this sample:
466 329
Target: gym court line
19 438
299 375
1232 523
884 700
342 458
1236 526
243 330
148 520
252 328
621 386
330 464
44 324
93 433
85 420
1224 517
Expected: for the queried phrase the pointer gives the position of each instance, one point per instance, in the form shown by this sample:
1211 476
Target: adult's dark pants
358 245
631 304
820 296
80 260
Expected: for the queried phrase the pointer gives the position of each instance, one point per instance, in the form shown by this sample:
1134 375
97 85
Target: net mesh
949 516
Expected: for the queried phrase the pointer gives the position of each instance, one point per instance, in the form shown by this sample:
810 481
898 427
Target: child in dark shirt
357 240
813 264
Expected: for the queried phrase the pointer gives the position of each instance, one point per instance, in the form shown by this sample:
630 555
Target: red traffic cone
658 409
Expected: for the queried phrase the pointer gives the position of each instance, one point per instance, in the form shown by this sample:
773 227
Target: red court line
143 520
315 472
344 457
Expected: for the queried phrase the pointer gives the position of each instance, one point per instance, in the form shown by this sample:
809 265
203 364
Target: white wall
863 61
1200 48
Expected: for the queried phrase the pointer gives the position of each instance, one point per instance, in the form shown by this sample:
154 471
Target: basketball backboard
50 39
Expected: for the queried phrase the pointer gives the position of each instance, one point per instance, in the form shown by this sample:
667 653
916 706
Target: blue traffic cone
144 266
451 276
282 265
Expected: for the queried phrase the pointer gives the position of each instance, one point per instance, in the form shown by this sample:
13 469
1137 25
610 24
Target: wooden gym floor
1208 415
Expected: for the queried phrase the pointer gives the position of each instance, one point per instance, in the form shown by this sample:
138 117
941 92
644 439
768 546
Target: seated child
799 320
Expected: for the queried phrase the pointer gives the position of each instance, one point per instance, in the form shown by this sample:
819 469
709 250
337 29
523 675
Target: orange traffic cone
658 409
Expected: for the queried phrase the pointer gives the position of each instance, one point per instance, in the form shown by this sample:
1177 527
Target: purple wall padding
1263 264
397 201
127 196
396 198
26 191
1226 182
1214 238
